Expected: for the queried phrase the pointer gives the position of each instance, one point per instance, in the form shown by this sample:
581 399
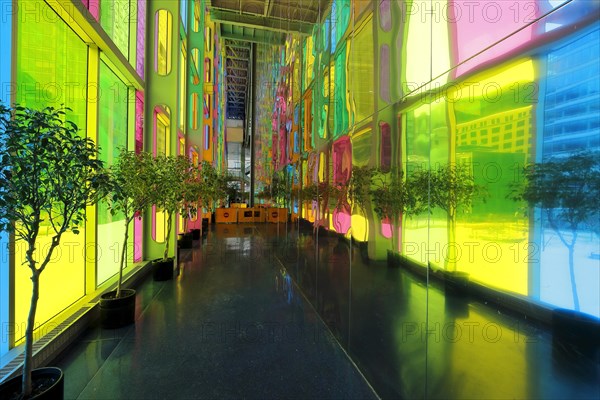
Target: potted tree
393 198
48 175
324 196
279 192
359 195
452 188
193 192
133 180
214 188
173 172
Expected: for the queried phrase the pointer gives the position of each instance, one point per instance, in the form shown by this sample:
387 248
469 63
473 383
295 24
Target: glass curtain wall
51 69
447 90
112 138
54 66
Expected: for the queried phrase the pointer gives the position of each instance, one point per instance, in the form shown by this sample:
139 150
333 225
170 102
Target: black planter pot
116 312
363 248
49 381
576 344
393 259
162 270
195 234
185 241
456 283
575 327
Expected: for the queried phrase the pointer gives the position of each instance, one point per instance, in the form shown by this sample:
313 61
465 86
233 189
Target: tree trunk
123 252
167 237
451 246
27 365
394 227
572 275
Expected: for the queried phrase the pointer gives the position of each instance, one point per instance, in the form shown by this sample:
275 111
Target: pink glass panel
341 221
385 16
384 75
94 7
141 38
386 229
385 160
342 160
139 145
479 25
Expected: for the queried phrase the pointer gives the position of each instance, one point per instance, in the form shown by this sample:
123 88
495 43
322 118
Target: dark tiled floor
234 324
228 326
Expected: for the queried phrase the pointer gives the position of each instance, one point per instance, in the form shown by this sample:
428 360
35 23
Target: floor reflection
413 340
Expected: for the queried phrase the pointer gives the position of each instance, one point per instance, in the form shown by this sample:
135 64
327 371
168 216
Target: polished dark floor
273 311
225 328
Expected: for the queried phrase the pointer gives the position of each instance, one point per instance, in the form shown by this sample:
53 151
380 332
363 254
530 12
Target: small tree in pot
324 196
48 175
394 198
359 189
452 188
133 180
194 192
216 185
358 193
173 172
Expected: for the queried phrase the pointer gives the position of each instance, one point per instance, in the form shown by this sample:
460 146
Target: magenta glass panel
385 15
385 155
342 160
386 229
384 75
94 7
479 25
341 221
139 121
139 146
141 38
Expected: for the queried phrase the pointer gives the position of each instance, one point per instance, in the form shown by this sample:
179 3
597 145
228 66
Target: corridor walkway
228 326
256 312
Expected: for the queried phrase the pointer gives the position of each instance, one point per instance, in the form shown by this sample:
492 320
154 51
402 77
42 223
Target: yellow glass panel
162 147
61 283
163 51
493 133
196 19
360 227
195 111
427 51
182 86
51 67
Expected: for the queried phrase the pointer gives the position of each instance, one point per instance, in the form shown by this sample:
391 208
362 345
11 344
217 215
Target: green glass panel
112 135
51 64
360 74
339 94
426 232
114 18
